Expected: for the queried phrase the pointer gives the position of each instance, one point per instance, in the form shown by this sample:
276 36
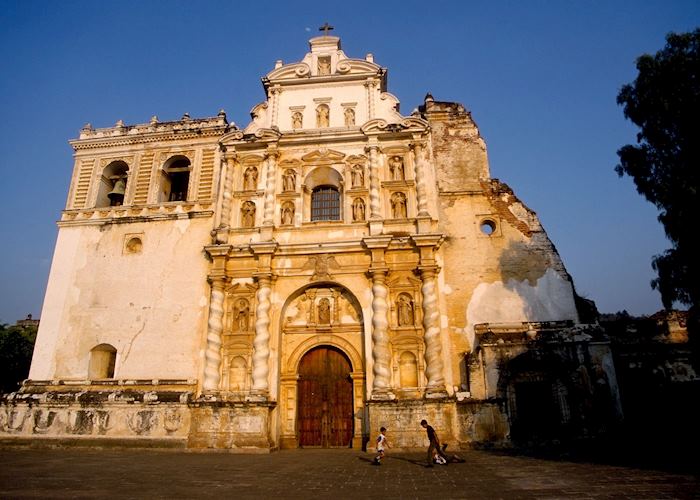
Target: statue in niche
297 120
288 213
398 206
396 168
324 66
322 116
289 180
248 214
404 307
358 210
358 176
250 179
240 315
349 117
324 312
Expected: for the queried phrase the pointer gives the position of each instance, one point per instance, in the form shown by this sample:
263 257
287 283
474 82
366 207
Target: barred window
325 203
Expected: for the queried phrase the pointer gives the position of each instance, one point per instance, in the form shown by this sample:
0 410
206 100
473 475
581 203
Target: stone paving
315 473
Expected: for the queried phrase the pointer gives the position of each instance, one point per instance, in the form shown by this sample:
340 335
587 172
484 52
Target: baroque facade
332 267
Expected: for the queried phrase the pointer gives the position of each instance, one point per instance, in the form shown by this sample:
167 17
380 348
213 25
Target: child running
381 444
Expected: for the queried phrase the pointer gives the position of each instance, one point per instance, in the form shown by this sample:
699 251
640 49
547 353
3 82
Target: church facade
333 267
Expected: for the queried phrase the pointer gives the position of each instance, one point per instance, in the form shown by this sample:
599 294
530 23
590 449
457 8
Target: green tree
664 102
16 347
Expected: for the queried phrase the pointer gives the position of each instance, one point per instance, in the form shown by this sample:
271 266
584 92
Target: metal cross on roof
326 28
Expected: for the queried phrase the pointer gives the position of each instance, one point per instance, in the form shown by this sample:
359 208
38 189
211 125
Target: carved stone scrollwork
302 70
172 420
104 422
43 419
141 422
13 420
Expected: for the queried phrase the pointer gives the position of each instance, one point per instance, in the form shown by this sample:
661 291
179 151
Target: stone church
332 267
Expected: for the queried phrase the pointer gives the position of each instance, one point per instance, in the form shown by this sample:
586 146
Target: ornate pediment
290 71
323 155
355 66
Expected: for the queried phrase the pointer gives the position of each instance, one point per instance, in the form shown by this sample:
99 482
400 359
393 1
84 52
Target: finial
222 113
326 28
120 123
429 97
154 119
185 117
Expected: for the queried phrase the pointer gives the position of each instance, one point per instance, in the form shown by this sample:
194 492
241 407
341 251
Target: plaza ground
335 473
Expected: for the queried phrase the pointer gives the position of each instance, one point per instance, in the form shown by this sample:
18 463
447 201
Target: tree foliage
664 102
16 348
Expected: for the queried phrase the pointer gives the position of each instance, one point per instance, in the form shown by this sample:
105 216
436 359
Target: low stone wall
462 424
135 418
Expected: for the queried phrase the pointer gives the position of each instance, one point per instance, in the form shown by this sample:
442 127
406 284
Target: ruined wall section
498 264
459 152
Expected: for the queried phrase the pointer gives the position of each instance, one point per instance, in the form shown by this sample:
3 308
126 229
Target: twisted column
215 325
431 325
269 210
419 166
261 343
380 338
374 206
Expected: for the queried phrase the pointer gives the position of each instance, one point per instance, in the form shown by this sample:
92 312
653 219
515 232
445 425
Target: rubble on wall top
155 126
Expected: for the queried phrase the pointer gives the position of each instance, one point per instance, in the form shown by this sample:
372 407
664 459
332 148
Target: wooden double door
325 402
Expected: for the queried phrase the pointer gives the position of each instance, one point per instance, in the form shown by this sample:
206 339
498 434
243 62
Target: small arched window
325 203
102 361
175 179
112 185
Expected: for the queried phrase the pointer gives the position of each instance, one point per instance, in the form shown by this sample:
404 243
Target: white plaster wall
550 299
151 306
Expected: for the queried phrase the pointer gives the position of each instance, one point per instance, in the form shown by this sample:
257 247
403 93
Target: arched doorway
325 399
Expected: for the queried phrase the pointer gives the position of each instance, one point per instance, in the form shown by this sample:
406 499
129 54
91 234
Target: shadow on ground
676 455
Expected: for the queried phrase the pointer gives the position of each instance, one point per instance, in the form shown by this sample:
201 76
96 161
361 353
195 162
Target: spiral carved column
374 202
380 338
431 325
422 199
215 326
261 343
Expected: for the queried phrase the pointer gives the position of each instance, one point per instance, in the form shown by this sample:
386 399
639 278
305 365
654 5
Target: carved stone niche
356 173
406 334
290 175
405 303
237 345
250 174
240 308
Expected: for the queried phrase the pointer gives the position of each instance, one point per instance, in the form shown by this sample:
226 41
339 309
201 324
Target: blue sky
539 77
